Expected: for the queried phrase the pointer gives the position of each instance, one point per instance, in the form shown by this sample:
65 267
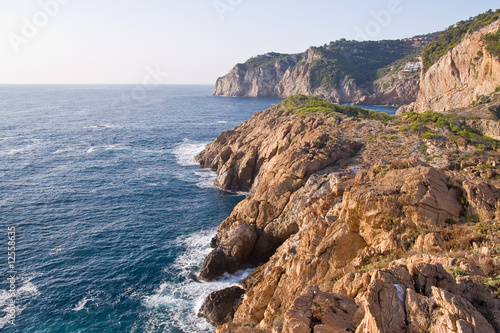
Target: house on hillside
413 66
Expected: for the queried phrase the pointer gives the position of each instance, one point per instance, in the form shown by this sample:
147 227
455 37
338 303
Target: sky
192 41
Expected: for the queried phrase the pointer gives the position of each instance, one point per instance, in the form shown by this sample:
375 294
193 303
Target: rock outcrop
354 227
219 306
272 156
461 76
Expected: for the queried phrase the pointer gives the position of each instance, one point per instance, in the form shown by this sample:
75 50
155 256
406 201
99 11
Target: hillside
342 72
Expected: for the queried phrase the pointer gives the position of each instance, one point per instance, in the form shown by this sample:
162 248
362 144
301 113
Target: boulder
219 306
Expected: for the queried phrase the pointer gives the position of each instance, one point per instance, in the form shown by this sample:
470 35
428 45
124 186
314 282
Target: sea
105 217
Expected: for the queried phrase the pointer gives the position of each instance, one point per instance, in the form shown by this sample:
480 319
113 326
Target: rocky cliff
342 72
462 75
357 222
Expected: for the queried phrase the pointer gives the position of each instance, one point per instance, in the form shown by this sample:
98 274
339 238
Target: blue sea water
113 217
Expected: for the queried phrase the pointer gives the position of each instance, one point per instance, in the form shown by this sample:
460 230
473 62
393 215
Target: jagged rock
453 313
219 306
272 155
386 199
481 196
317 311
233 247
429 242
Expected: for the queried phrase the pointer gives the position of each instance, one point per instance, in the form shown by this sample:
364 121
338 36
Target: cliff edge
461 76
357 222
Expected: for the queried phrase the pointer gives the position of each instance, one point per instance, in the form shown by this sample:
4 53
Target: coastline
311 222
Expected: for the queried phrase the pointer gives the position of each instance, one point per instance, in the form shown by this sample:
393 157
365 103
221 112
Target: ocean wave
26 145
186 152
177 303
121 149
24 293
63 150
206 178
55 251
81 304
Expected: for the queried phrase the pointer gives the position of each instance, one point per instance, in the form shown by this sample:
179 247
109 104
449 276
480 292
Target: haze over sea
113 217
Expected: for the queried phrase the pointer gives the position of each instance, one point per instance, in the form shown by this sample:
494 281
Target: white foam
63 150
28 288
12 137
25 292
186 152
222 122
27 147
81 304
206 178
178 303
55 251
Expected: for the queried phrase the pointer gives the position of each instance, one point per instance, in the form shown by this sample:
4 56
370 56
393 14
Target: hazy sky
192 41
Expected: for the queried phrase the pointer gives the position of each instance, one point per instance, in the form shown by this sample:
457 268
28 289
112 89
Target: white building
413 66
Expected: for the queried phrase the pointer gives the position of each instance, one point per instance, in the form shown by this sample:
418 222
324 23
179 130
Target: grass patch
420 122
302 105
494 284
457 271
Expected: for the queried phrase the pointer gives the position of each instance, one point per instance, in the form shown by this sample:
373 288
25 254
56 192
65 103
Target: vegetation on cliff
302 105
452 36
434 125
430 124
360 61
493 44
264 60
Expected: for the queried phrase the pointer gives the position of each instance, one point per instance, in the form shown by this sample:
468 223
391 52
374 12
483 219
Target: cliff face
291 74
344 240
460 76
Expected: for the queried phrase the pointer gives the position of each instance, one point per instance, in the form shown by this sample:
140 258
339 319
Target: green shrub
493 44
265 60
494 284
457 271
481 229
